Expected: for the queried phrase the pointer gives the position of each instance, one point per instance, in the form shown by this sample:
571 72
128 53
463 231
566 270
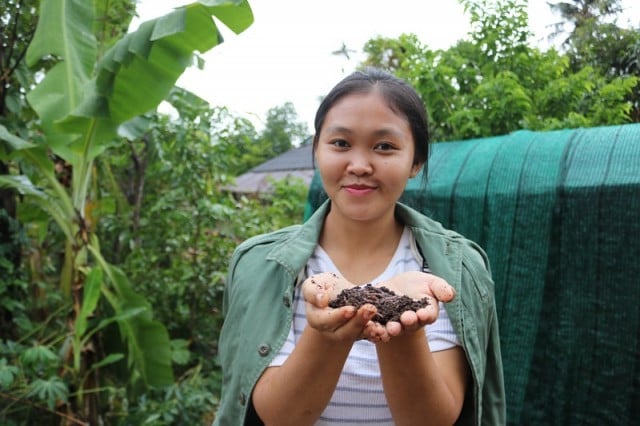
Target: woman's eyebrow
385 131
339 129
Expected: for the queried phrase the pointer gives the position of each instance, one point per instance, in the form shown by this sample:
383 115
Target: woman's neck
360 250
360 234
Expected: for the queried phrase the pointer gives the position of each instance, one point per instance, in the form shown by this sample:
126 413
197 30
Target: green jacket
258 309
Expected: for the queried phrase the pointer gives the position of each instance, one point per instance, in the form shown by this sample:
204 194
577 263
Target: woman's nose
359 165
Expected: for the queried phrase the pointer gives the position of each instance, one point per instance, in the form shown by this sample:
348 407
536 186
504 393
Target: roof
300 158
296 163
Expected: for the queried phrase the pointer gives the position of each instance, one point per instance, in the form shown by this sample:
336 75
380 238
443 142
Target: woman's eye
384 146
339 143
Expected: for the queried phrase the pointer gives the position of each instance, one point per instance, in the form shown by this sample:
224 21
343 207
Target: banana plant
83 102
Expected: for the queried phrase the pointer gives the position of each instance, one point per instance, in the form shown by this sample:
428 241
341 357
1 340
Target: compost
388 304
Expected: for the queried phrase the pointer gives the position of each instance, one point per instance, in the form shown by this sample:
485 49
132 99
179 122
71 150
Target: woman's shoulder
268 239
473 256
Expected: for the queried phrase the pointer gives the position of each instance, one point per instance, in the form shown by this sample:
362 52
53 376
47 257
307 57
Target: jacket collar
440 247
294 252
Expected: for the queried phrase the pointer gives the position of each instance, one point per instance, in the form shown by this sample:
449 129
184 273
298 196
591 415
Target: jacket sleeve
493 392
255 313
491 409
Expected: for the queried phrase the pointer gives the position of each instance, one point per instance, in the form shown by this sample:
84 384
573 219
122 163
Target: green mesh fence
559 216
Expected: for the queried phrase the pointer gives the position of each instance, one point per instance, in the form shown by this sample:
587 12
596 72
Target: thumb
441 290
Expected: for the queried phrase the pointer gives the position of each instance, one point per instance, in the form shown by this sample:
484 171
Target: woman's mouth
358 189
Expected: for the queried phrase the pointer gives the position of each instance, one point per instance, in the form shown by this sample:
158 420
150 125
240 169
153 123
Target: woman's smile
359 189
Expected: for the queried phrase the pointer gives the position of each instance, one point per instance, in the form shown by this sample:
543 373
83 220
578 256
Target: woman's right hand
343 323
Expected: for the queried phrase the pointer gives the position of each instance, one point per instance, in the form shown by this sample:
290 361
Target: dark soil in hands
389 304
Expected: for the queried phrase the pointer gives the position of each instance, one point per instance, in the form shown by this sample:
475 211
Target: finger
384 334
428 314
442 290
376 332
320 300
317 289
371 333
355 327
314 294
394 328
328 319
327 284
408 319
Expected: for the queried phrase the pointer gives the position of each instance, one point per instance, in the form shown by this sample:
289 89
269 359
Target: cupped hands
354 323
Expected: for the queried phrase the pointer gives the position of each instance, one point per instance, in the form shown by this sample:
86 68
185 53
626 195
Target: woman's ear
415 169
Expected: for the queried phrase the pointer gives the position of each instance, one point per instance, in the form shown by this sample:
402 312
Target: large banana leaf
81 107
54 199
148 342
65 34
81 102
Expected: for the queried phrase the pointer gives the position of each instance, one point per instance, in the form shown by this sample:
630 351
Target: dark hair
401 97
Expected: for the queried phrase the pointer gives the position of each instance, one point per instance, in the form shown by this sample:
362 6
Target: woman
290 359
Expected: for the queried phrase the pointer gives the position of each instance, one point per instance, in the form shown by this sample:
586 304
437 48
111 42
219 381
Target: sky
286 55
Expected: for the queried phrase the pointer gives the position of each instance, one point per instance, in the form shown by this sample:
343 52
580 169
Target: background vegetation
115 224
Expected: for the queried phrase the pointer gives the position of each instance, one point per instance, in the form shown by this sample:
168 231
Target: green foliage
499 29
50 391
580 14
237 140
190 401
28 375
188 224
13 286
115 17
282 131
8 373
81 101
39 359
19 20
285 205
171 226
494 82
599 43
152 223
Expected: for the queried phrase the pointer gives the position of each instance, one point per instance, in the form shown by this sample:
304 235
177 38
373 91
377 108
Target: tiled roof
295 159
261 182
296 162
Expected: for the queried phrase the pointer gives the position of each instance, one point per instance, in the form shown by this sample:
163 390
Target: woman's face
365 155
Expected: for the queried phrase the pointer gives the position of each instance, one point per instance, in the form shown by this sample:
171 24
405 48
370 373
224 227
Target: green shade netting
558 213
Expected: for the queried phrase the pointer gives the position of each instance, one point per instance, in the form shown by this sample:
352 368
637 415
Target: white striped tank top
359 398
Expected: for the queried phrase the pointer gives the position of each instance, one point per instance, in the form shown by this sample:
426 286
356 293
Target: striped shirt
359 398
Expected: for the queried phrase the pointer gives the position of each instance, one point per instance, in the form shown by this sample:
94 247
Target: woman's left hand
418 285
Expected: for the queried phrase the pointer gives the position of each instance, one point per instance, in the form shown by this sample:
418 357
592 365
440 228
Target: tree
17 25
582 13
494 82
597 41
186 227
91 90
282 129
237 140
